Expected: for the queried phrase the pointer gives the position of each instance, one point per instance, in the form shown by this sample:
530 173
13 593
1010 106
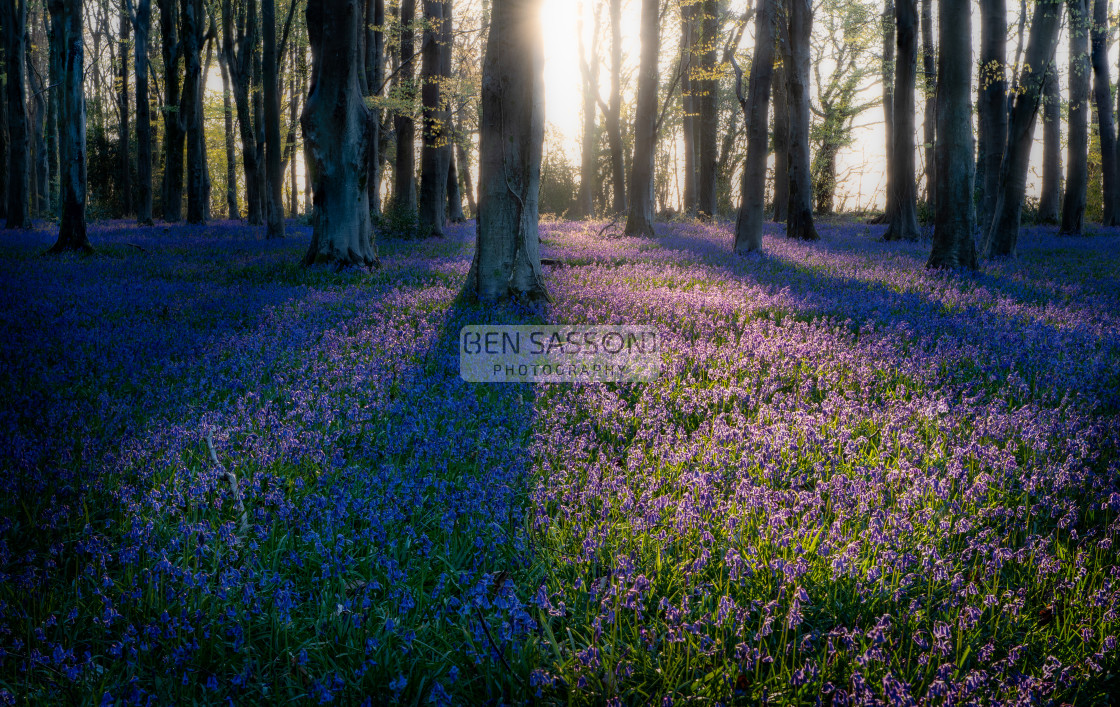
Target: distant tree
67 41
174 130
375 77
612 112
1077 162
888 23
140 16
953 245
198 188
780 98
507 253
232 209
589 73
748 227
640 218
1049 202
706 89
237 51
123 111
689 34
19 139
435 119
992 104
929 89
337 128
404 192
903 208
799 220
274 162
1004 231
4 24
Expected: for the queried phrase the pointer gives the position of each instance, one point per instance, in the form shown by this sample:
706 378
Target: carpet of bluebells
857 482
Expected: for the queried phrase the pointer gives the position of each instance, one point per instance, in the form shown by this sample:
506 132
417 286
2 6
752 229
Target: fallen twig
140 248
604 230
229 476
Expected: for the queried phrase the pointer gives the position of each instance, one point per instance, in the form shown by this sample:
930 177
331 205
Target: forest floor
856 481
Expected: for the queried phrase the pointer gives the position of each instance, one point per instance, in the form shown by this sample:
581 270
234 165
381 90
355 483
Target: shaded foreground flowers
858 481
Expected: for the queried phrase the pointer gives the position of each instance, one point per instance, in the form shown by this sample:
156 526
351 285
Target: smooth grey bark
454 191
142 24
799 220
231 152
903 209
375 76
1077 161
991 104
404 175
1004 232
888 23
19 139
274 148
589 160
40 171
929 85
707 91
612 112
1049 202
174 131
463 166
688 105
123 133
781 137
1102 99
337 128
198 191
238 52
752 207
506 262
3 113
953 245
66 21
639 221
435 123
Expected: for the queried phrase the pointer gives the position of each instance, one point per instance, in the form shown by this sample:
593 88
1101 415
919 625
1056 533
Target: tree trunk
463 166
887 20
992 104
259 137
454 192
781 137
67 39
404 193
5 22
708 108
929 71
612 113
123 104
507 254
1077 163
799 220
238 55
748 227
435 122
1102 97
290 141
142 26
1004 232
274 159
589 165
337 130
1051 198
231 153
903 208
40 172
688 105
19 177
197 191
953 245
375 76
174 133
639 222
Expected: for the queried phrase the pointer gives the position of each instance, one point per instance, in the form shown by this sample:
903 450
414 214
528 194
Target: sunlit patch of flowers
858 481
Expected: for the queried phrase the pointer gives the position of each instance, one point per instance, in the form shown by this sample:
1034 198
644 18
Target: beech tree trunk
67 39
123 105
1102 98
929 71
748 227
707 89
4 24
231 153
781 136
174 132
1051 198
375 76
1077 162
337 128
511 139
454 191
904 197
1004 232
19 140
435 122
589 165
992 104
198 192
688 105
953 245
142 23
37 117
612 113
889 46
799 220
639 222
238 52
274 148
405 171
